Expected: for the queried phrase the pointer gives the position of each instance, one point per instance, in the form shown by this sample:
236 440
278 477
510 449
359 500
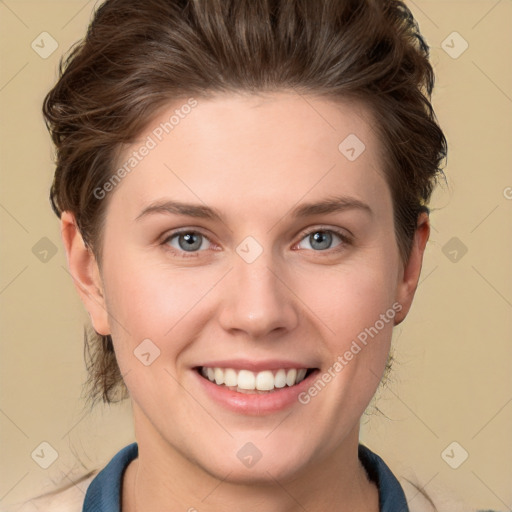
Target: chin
262 473
260 462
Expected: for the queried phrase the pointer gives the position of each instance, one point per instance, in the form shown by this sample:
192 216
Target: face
248 247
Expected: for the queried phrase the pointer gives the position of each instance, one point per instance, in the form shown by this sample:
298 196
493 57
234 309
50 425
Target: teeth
218 375
230 377
280 379
245 381
264 381
301 374
291 376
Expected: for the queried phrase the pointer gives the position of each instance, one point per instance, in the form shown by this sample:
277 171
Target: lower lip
255 404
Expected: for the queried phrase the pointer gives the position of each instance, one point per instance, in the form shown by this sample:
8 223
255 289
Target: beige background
452 380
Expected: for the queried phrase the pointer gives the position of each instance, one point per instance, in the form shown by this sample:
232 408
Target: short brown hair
139 56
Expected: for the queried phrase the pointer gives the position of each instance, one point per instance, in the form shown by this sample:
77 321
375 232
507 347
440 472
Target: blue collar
104 492
391 494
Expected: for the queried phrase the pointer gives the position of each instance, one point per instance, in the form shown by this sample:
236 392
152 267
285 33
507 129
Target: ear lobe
410 276
85 273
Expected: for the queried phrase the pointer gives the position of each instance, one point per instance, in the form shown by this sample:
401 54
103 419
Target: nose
257 300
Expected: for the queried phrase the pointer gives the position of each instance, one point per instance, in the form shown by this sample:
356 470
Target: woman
243 188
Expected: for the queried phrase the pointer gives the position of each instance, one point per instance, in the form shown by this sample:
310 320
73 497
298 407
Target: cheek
348 299
170 305
153 301
355 306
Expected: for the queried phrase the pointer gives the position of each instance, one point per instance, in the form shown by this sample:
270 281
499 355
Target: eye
186 242
322 239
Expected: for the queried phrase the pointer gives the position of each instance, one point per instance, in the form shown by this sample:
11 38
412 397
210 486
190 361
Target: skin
254 158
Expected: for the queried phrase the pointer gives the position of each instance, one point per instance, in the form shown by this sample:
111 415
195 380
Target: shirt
104 492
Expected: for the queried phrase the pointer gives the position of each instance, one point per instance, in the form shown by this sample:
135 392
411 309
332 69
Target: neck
162 478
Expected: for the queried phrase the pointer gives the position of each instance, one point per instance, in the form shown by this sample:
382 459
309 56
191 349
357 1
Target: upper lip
256 366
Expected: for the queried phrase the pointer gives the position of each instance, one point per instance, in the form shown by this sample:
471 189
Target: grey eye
188 241
320 240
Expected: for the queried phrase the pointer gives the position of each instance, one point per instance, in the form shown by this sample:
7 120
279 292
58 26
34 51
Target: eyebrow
329 205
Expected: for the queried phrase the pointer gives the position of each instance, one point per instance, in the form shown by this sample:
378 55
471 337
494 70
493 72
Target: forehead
264 149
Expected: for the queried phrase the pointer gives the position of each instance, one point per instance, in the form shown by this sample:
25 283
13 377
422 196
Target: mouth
250 382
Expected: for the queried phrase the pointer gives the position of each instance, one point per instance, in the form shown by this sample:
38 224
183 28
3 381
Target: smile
249 382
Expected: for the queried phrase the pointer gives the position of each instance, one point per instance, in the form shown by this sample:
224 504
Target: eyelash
345 240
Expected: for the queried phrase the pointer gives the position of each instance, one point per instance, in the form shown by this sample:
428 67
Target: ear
411 273
85 273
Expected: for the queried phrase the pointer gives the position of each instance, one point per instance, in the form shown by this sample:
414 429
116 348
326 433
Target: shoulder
434 499
69 499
